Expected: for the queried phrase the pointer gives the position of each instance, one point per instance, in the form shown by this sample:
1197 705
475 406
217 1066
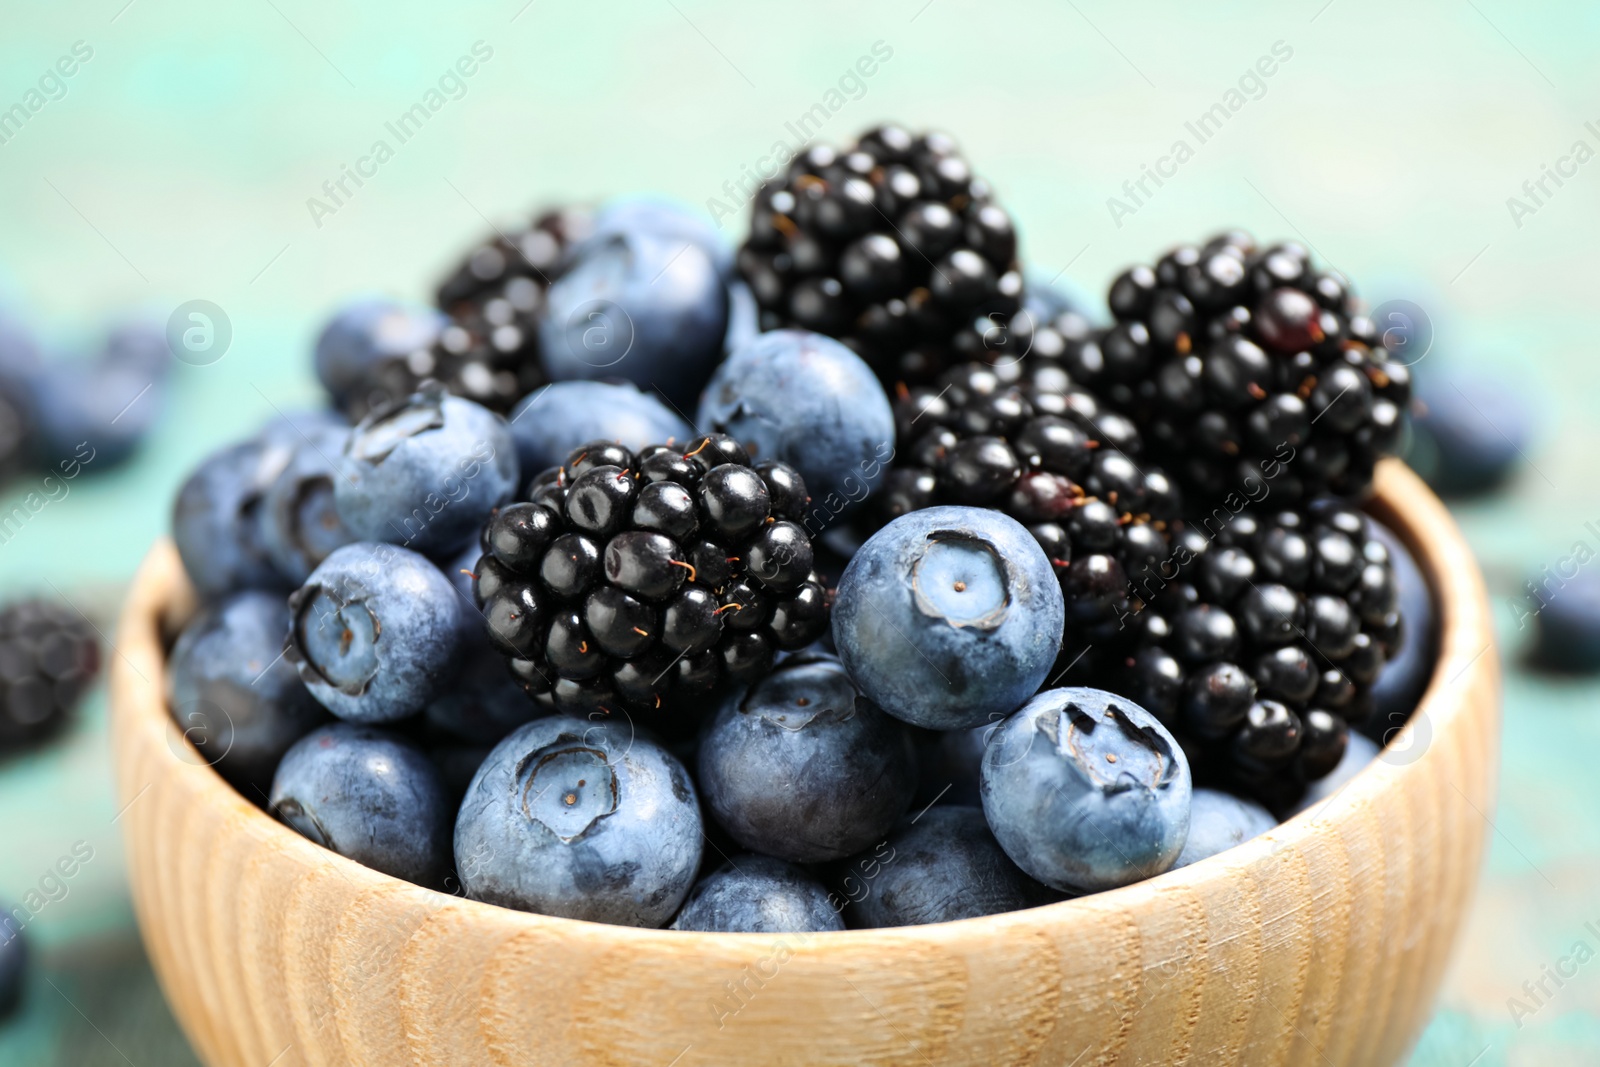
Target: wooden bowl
1322 942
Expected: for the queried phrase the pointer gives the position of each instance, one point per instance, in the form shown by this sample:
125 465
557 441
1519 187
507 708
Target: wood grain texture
1322 942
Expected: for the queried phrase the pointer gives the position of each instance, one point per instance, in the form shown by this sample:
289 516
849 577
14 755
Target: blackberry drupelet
1245 364
490 351
48 655
1264 649
642 579
893 246
1024 440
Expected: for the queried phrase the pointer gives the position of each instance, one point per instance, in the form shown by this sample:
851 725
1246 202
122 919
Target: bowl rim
161 598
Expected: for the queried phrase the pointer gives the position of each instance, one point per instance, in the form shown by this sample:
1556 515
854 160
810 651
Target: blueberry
425 472
944 866
13 430
658 216
369 795
834 551
216 520
140 343
367 331
744 317
233 693
580 820
376 631
801 767
19 350
644 306
485 702
1047 299
1409 666
809 401
948 763
551 422
299 523
1568 625
1469 432
1359 751
106 403
1218 821
753 894
294 426
949 617
13 965
457 761
462 570
1086 791
19 364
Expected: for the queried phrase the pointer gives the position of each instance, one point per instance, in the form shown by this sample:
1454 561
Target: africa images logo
741 190
1251 85
52 85
451 85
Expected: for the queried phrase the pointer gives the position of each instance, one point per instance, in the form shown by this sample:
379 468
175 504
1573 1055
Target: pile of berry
913 590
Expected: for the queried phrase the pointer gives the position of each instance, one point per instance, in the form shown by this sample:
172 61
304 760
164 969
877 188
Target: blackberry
48 655
1246 365
645 579
489 352
1024 440
1264 650
893 246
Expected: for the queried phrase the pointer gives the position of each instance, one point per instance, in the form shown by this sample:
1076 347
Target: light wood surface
1322 942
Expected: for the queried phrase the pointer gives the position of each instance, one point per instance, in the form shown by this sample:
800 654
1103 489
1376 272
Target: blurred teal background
179 163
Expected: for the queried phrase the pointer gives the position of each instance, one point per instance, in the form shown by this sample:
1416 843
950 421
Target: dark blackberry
1248 365
891 245
490 350
1043 336
1265 647
644 580
1025 441
48 655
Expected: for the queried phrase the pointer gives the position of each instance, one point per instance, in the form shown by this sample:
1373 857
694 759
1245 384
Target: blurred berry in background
48 656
